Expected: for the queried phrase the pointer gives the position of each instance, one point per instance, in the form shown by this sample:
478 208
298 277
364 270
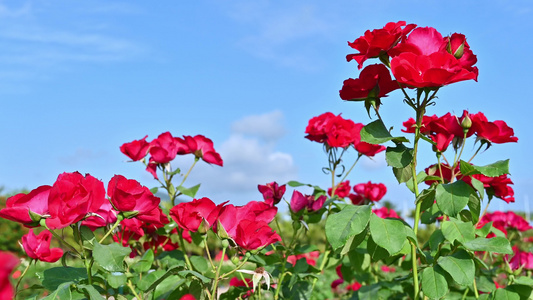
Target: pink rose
38 247
136 150
197 215
21 207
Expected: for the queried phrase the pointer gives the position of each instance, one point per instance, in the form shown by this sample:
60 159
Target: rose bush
124 242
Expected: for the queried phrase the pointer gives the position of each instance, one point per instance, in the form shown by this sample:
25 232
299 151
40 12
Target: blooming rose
72 197
373 82
251 235
371 191
422 60
164 148
272 192
504 221
299 202
151 167
197 215
231 215
9 262
342 132
38 247
521 259
342 190
105 215
367 149
316 129
136 150
29 208
201 147
497 186
128 195
378 41
309 257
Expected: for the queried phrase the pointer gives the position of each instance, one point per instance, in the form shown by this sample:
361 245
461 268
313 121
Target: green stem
477 151
234 270
185 255
209 255
130 285
217 273
20 278
351 168
196 159
43 223
475 289
119 218
322 265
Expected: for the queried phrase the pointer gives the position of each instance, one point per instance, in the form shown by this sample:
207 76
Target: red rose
106 215
201 147
457 46
504 221
299 202
374 81
231 215
251 235
21 207
164 148
378 41
520 260
496 132
128 195
342 132
422 60
136 150
371 191
342 190
272 192
367 149
316 129
385 213
38 247
72 197
498 186
151 167
424 128
9 262
197 215
309 257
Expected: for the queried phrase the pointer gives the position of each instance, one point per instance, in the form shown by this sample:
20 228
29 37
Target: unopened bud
467 122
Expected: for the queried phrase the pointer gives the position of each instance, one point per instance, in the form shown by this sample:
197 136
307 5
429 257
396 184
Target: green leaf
116 279
421 176
453 197
191 192
474 204
199 263
154 190
467 169
387 233
294 183
148 280
90 291
460 266
186 273
350 221
353 242
62 292
434 283
504 294
478 186
427 197
111 257
377 133
145 263
54 277
435 240
494 245
496 169
455 230
485 230
403 174
376 252
399 156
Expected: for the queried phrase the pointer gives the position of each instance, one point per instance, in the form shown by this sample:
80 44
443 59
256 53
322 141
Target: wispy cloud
282 33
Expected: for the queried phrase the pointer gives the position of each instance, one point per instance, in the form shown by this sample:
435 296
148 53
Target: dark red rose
374 81
498 186
378 41
38 247
272 192
21 207
136 150
342 190
72 197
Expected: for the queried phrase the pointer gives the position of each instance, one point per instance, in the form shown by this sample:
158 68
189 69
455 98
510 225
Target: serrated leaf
62 292
474 204
504 294
387 233
452 197
351 220
294 183
494 245
145 263
149 279
403 174
199 263
90 291
496 169
460 266
467 169
186 273
399 156
435 240
421 176
111 257
116 279
376 133
434 284
191 192
455 230
154 190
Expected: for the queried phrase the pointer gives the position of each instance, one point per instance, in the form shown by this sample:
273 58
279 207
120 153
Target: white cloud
248 161
268 126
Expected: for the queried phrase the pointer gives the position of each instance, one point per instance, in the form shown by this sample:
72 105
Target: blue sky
79 79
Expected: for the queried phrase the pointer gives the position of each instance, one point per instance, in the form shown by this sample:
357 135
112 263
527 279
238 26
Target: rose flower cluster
418 57
337 132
